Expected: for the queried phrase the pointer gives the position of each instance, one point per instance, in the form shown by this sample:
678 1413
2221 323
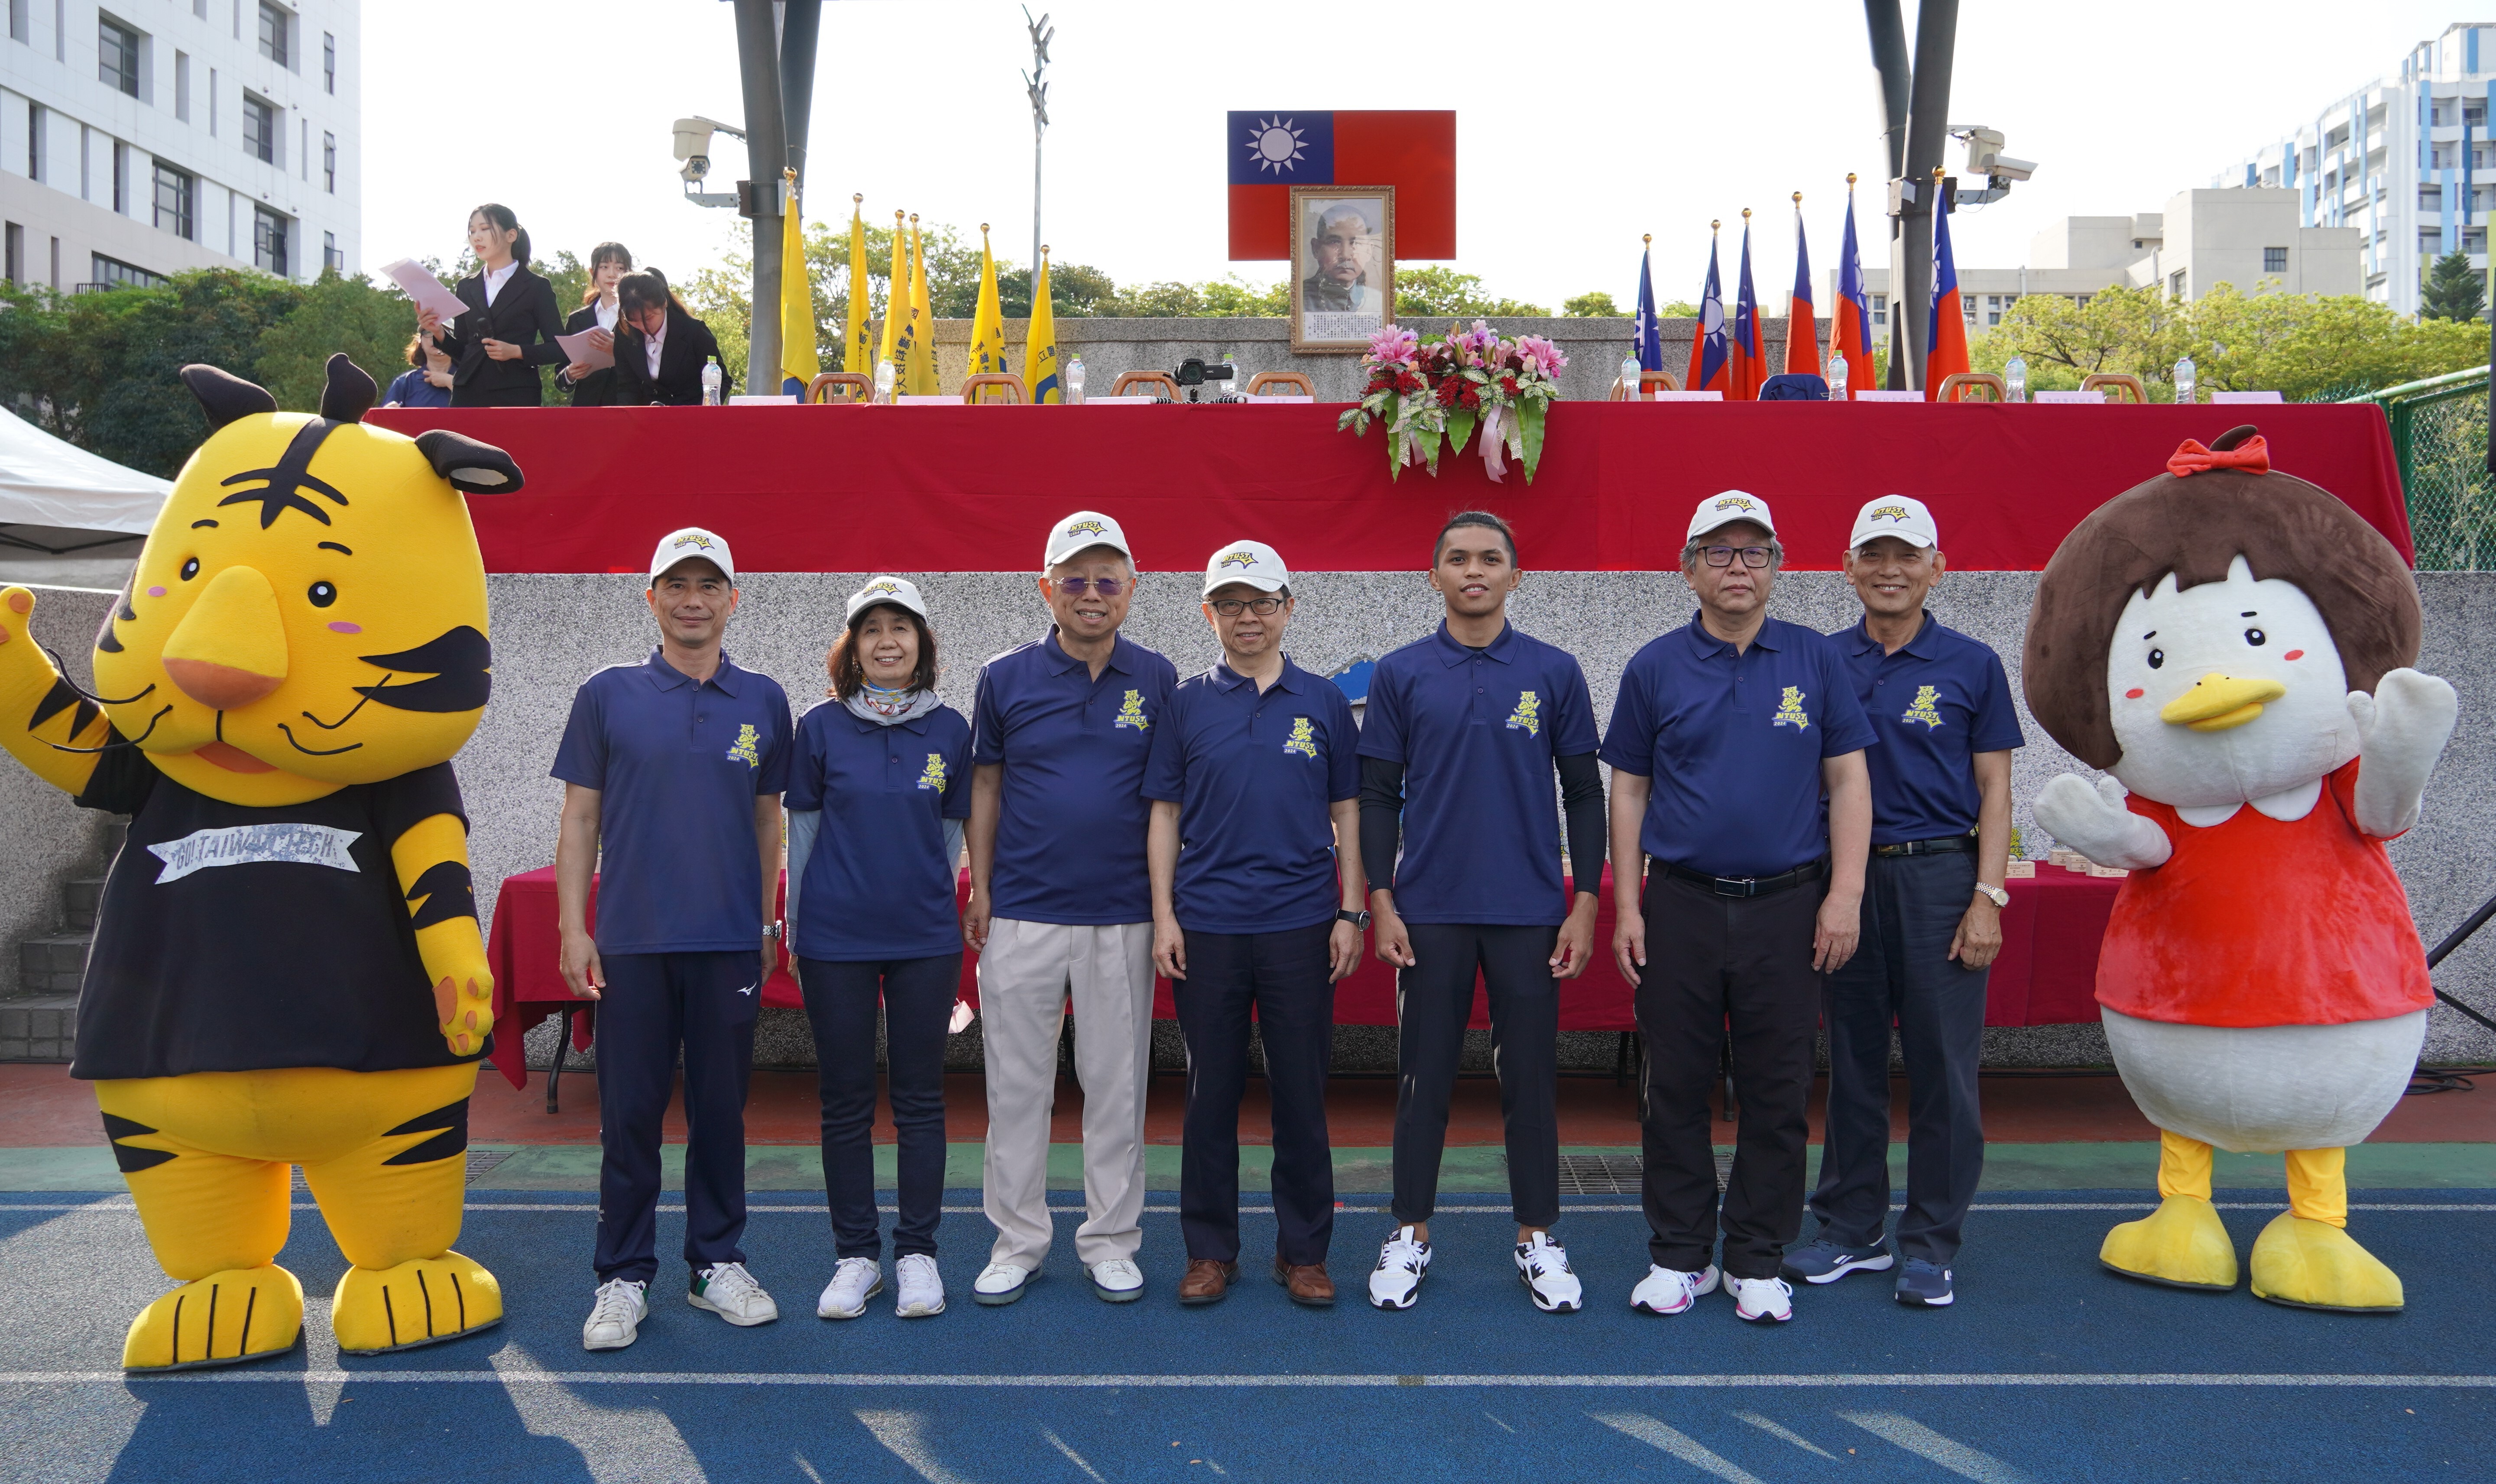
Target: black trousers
917 999
1282 976
1903 975
654 1004
1712 963
1433 1001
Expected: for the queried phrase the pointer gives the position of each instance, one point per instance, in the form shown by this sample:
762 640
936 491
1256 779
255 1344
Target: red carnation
1508 385
1447 393
1407 382
1470 397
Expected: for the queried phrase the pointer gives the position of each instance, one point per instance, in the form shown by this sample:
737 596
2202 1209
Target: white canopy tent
68 518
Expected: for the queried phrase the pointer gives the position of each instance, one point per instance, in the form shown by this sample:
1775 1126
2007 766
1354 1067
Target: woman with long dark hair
508 331
660 346
877 795
600 311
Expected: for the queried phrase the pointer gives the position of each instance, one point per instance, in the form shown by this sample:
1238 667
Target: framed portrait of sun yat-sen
1343 266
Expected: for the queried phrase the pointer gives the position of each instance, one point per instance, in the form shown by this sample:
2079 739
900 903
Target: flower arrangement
1445 390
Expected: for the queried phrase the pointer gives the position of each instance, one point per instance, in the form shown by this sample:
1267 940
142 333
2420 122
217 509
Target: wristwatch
1997 895
1359 919
775 931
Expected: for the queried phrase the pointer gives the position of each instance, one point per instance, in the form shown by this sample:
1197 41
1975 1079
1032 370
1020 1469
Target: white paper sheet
578 348
425 288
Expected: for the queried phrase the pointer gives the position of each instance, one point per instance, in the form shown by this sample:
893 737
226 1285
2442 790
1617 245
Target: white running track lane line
517 1374
903 1435
1788 1435
1681 1445
1073 1457
1949 1452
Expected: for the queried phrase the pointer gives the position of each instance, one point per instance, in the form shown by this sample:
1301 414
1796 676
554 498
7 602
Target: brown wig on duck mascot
286 968
2232 645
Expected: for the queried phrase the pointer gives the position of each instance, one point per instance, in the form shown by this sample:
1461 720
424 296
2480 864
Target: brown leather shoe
1306 1282
1206 1281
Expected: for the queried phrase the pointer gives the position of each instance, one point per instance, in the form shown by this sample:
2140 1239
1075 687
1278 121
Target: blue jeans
918 998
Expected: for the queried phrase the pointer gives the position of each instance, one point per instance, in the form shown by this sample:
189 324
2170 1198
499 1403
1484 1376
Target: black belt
1748 885
1946 845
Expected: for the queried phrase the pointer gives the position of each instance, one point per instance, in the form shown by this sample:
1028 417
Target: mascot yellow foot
2309 1264
422 1301
2182 1245
239 1315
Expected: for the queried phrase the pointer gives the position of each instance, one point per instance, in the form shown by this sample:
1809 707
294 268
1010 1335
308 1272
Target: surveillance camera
696 167
2005 167
693 139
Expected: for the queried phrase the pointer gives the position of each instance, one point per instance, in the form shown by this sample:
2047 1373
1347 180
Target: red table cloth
974 487
2045 975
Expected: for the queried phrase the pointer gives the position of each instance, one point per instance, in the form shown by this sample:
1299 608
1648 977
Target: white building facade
2404 159
141 138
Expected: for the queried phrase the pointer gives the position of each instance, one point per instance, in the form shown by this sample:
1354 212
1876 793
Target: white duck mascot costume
2232 645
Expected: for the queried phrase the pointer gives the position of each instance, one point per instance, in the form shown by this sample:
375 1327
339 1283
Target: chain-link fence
2440 436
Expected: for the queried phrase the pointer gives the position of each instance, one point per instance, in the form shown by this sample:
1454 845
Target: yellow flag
921 374
897 303
798 362
988 318
855 349
1040 348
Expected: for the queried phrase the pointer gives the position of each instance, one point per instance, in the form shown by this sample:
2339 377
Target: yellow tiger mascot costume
286 968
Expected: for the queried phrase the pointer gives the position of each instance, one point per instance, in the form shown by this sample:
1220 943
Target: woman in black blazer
685 345
496 348
600 312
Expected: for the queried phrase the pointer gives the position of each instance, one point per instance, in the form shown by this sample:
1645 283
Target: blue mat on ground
2047 1368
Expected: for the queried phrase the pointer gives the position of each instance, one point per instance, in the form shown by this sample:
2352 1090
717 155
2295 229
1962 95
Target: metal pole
766 151
1927 130
1035 85
1896 76
803 21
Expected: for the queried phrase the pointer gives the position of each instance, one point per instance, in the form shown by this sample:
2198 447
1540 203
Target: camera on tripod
1193 373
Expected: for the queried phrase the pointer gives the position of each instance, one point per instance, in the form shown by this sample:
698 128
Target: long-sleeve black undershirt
1581 802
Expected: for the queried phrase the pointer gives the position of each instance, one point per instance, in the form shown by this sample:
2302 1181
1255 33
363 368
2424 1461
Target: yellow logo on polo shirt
1131 712
1921 709
1238 559
1528 715
747 747
1302 740
933 776
1790 712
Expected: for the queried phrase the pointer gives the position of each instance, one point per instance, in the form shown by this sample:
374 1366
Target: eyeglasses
1229 607
1106 587
1723 556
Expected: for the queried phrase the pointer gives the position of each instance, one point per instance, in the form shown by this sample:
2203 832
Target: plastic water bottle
1631 387
1075 380
1235 387
1837 377
712 377
2184 380
2014 372
884 378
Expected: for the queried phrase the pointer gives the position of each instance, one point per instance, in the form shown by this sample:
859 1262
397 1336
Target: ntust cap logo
1087 527
1238 559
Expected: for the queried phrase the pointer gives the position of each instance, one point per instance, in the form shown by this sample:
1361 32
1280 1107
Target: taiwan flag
1802 321
1706 371
1946 330
1853 331
1750 366
1268 151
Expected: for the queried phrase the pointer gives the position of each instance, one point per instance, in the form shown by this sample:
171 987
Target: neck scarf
887 708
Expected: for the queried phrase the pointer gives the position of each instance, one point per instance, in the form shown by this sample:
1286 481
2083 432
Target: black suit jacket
598 387
689 344
524 314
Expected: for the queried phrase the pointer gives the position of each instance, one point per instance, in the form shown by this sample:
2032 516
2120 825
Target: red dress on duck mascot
2232 645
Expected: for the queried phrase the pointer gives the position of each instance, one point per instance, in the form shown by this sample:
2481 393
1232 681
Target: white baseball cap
900 592
1900 515
691 542
1724 510
1253 563
1084 528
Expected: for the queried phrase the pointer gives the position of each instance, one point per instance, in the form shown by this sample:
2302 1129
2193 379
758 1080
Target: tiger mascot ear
473 468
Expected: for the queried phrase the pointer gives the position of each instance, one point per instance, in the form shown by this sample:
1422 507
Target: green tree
1595 305
2454 289
1442 291
372 325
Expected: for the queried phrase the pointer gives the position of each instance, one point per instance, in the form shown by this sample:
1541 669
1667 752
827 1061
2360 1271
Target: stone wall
49 838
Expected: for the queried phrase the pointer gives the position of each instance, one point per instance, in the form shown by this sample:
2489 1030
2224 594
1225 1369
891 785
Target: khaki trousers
1026 975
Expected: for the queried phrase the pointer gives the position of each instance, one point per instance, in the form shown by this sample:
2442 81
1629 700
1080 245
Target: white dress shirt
497 277
652 346
608 312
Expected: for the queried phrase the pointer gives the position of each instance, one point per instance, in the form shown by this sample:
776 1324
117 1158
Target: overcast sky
1580 126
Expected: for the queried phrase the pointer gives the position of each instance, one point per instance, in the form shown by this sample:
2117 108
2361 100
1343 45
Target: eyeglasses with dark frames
1106 587
1230 607
1723 556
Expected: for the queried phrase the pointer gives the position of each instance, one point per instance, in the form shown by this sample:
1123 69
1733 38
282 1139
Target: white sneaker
855 1281
1666 1290
1543 1266
923 1288
1118 1281
1762 1298
999 1282
1402 1263
616 1316
730 1293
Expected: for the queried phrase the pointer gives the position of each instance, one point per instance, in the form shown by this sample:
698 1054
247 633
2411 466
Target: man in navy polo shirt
1255 876
1736 749
1941 841
1060 905
1463 733
676 765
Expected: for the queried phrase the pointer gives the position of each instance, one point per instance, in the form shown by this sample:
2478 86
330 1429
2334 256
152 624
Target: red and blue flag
1802 321
1749 364
1707 356
1650 334
1945 329
1853 331
1268 151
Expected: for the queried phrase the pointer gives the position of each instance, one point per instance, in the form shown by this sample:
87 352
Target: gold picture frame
1334 313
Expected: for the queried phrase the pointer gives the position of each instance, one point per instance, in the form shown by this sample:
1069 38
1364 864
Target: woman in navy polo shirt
877 794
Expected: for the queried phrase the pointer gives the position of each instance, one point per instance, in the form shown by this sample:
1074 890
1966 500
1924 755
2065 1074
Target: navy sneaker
1923 1284
1825 1262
